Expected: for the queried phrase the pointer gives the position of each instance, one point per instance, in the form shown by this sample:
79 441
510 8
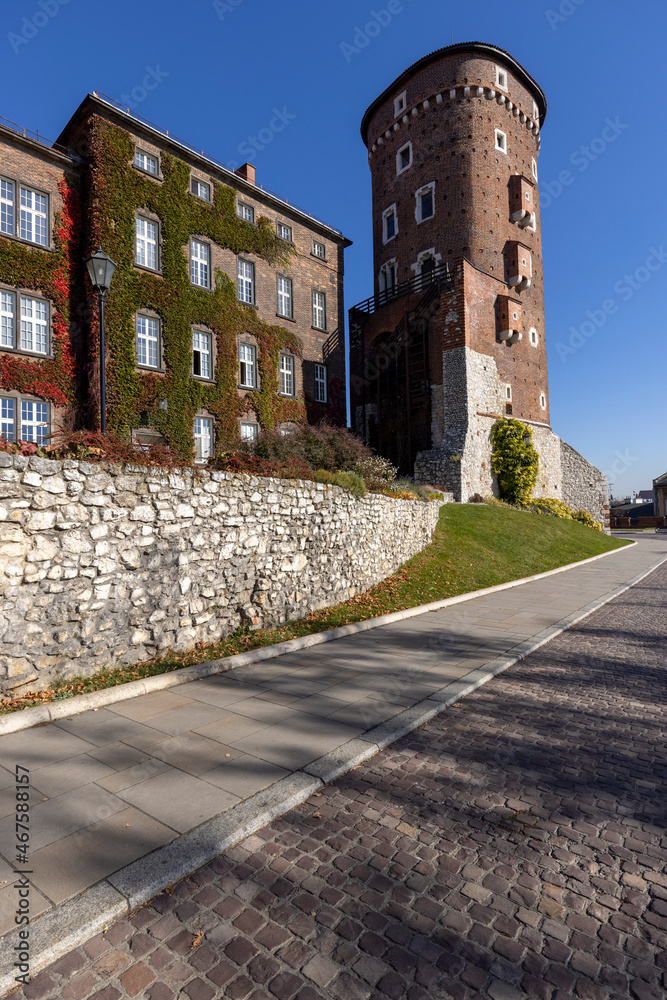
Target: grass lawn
475 546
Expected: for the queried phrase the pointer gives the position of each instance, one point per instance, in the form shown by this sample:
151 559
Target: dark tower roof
483 48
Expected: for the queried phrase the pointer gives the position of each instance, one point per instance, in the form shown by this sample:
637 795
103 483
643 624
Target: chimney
247 172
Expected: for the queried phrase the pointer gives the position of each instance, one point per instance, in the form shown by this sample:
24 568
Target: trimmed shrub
585 518
375 471
514 460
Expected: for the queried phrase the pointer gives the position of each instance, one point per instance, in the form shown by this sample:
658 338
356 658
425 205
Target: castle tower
454 336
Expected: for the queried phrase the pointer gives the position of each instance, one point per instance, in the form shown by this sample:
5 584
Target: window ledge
147 173
320 329
248 388
150 368
290 319
27 354
202 378
148 270
27 243
317 257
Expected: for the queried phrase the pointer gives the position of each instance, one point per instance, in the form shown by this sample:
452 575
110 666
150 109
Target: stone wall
584 487
103 565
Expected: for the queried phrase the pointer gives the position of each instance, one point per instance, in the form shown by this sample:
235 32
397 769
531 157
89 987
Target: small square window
285 297
148 341
200 189
285 232
501 78
389 224
246 212
501 141
286 372
404 158
203 434
202 354
319 250
7 207
533 337
146 162
320 383
146 243
249 432
400 104
33 218
248 366
246 282
319 310
200 264
515 316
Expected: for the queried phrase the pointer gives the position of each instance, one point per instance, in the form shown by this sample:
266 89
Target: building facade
225 313
453 337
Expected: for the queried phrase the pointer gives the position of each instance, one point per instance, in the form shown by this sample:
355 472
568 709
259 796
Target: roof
95 103
661 480
482 47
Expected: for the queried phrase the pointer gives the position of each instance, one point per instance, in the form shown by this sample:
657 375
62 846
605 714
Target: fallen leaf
317 815
125 825
197 940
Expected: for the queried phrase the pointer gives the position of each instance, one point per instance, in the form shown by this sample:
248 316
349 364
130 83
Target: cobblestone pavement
513 847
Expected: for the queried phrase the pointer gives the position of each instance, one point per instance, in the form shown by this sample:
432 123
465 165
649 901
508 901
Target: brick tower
454 336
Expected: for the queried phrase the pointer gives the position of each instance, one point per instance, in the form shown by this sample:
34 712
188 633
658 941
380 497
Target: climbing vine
49 275
514 460
117 192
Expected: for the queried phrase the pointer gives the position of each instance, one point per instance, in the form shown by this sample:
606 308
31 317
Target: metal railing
441 276
29 134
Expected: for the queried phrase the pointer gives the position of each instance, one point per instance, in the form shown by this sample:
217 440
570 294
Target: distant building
660 495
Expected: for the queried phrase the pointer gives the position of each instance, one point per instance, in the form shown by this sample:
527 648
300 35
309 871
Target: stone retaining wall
103 565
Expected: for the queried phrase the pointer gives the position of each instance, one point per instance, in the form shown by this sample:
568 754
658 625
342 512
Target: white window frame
203 438
319 310
536 113
7 206
424 190
146 245
501 144
196 187
34 216
534 168
245 281
30 419
500 75
284 231
202 345
145 161
543 401
200 264
150 335
400 169
321 383
315 251
389 267
508 393
9 417
247 365
7 319
533 337
400 104
245 212
285 291
388 212
35 323
287 374
249 431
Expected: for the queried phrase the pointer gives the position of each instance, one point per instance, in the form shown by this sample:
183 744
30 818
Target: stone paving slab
513 848
134 740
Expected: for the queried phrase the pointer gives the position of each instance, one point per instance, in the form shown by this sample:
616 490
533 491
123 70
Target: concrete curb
27 717
71 924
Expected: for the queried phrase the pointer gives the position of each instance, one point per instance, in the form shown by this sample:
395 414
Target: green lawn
475 546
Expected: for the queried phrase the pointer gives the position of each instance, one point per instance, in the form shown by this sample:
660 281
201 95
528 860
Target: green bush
547 505
585 518
347 480
375 471
514 460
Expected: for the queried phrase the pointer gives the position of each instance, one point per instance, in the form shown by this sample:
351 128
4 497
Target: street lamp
101 269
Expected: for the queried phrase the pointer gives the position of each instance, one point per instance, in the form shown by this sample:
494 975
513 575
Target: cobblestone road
513 847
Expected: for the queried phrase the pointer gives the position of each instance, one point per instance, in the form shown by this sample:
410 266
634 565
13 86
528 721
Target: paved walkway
511 848
111 786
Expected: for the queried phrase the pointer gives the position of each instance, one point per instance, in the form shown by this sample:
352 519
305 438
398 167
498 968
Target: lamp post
101 269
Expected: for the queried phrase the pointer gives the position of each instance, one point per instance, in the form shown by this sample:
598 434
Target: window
404 158
389 224
203 438
533 337
34 208
249 432
501 78
202 361
319 310
425 207
400 104
148 341
543 401
34 325
246 212
508 393
246 282
536 113
286 375
320 383
7 319
501 141
200 261
285 297
200 189
145 252
319 250
388 276
24 420
247 366
534 168
146 162
285 232
7 207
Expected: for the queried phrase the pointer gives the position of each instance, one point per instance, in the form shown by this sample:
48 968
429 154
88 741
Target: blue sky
220 69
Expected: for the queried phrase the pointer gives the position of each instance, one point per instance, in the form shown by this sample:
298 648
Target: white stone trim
424 189
385 215
399 168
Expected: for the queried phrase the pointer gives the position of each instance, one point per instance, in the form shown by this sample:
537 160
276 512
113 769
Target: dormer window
400 104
